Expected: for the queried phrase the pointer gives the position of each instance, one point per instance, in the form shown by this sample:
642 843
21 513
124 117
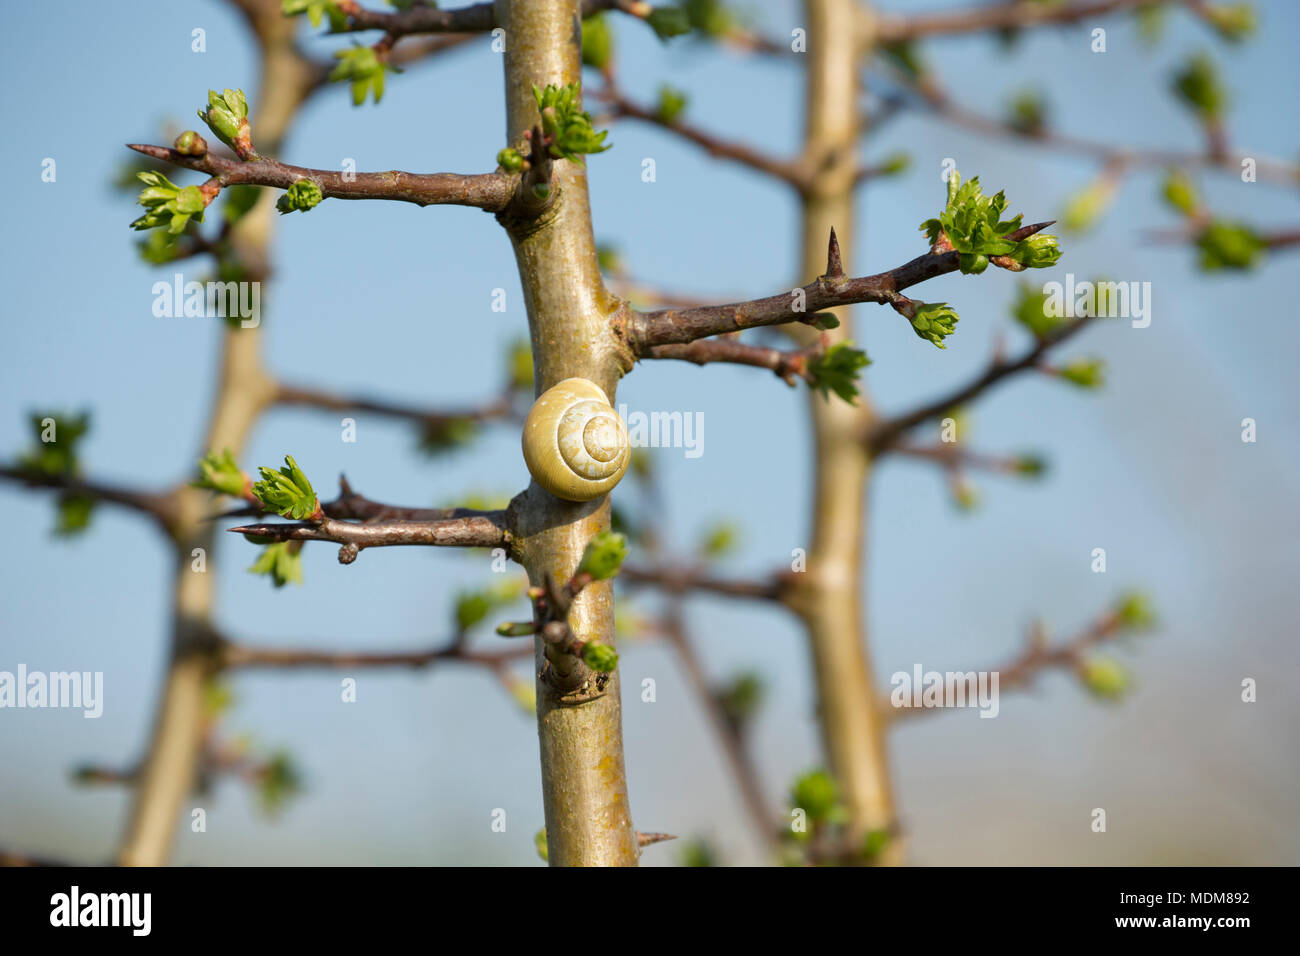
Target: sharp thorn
834 263
645 839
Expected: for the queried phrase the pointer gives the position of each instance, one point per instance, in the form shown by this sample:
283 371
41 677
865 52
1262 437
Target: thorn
345 489
157 152
834 264
1024 232
645 839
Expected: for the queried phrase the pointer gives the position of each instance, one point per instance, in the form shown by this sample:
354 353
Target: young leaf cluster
362 67
836 370
168 205
567 126
287 491
973 225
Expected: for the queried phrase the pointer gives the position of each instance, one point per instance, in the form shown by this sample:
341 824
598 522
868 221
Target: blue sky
396 301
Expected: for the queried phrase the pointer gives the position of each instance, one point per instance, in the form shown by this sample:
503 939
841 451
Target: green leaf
1151 21
220 472
599 657
668 22
1232 21
1088 205
190 143
1084 372
438 436
974 226
934 321
300 196
315 9
603 556
277 781
837 371
1031 465
539 841
1105 677
282 561
874 843
699 853
73 514
57 456
166 204
597 41
1198 86
1039 251
1030 310
672 102
719 540
1229 245
566 124
1134 611
362 67
742 697
239 200
816 794
287 491
473 606
510 160
227 115
519 364
1027 113
1179 191
895 163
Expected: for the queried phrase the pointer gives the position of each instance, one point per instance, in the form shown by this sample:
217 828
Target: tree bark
828 596
579 722
168 771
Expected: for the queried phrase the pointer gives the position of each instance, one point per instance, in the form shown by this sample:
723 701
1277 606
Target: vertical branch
828 596
579 725
168 771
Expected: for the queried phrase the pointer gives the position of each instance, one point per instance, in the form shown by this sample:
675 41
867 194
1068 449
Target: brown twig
160 506
644 330
886 432
466 529
1038 656
488 191
692 579
890 28
788 171
788 365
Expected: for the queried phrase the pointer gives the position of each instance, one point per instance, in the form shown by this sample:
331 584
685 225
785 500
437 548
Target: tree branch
999 16
885 433
488 191
1037 657
787 171
467 529
1119 157
236 656
644 330
787 365
685 579
496 409
161 507
476 18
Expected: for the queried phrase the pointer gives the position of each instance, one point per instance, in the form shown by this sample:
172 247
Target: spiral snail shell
575 445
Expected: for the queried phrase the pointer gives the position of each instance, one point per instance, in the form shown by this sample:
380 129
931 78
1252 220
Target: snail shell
575 445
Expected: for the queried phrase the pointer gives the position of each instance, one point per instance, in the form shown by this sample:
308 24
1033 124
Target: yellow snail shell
575 445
